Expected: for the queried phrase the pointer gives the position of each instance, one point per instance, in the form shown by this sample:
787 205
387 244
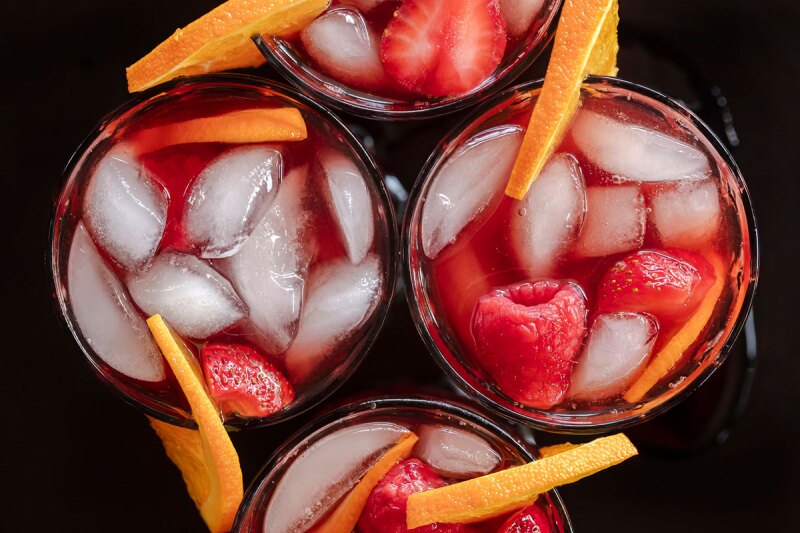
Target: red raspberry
528 337
531 519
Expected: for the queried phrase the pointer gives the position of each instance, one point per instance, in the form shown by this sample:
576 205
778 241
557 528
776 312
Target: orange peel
672 352
220 39
585 43
547 451
345 516
508 490
206 457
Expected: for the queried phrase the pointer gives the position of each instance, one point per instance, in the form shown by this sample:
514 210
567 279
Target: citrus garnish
220 39
508 490
585 43
344 517
547 451
244 126
672 352
206 456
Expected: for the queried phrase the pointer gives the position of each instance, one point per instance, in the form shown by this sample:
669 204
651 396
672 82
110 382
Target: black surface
74 458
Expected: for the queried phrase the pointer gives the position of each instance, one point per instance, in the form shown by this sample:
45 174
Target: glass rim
367 108
421 401
568 424
355 357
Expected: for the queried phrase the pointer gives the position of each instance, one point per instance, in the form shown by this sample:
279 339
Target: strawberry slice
666 283
531 519
443 47
385 510
528 337
242 382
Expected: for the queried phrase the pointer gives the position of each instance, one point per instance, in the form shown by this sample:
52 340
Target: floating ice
472 178
344 46
124 209
325 472
519 14
615 221
551 215
229 197
635 152
106 317
688 215
455 453
350 203
340 296
617 348
269 271
191 296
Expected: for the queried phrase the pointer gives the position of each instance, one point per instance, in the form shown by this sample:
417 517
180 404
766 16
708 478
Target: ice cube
106 317
687 215
229 197
339 298
342 43
191 296
270 269
550 217
617 348
455 453
471 180
325 472
634 152
519 14
350 203
615 221
124 209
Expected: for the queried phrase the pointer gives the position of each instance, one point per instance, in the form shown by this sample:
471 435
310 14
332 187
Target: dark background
75 458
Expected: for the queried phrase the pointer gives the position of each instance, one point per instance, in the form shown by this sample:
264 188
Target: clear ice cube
124 209
471 180
688 215
343 44
229 197
634 152
339 298
105 316
519 15
325 472
350 203
270 269
615 221
191 296
455 453
617 349
551 215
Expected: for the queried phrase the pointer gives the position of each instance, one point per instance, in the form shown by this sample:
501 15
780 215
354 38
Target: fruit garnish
531 519
220 39
243 382
443 47
244 126
345 516
386 506
528 337
666 283
508 490
553 449
585 43
665 360
206 456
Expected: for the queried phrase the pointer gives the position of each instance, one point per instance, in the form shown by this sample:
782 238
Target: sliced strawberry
474 42
528 337
385 510
531 519
443 47
242 382
666 283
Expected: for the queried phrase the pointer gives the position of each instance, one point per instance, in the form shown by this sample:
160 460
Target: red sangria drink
414 444
613 289
251 220
412 58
